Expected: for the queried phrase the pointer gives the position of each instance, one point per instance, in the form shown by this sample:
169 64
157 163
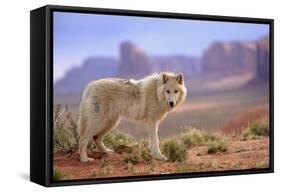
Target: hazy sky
80 35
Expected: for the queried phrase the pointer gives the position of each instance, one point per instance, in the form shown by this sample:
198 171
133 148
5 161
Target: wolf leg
83 144
100 145
154 141
99 137
84 139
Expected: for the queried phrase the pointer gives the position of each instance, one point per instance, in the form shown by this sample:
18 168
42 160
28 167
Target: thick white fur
105 101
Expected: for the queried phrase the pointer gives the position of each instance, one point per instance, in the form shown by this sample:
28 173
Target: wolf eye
168 91
176 91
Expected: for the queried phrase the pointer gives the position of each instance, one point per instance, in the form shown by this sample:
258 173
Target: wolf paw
108 151
160 157
86 159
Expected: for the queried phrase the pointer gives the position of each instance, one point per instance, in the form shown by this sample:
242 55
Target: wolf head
172 92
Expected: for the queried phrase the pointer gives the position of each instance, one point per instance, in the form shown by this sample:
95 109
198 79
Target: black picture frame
41 99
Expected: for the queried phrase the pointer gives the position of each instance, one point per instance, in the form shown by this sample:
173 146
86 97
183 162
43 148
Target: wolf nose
171 104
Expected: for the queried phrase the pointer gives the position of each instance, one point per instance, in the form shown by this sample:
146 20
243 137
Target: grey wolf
104 102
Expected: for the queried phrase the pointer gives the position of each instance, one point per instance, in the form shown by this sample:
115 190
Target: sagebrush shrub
192 137
132 158
257 128
209 137
174 149
146 156
217 146
65 134
115 139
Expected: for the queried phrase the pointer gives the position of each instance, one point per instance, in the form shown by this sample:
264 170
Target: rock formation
230 58
238 57
133 62
262 72
77 78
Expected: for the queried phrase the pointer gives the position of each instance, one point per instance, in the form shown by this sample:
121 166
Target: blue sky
80 35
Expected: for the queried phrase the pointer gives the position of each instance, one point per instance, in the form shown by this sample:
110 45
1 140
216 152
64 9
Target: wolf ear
165 78
179 78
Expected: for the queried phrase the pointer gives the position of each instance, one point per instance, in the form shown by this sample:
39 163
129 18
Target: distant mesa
92 68
230 58
263 59
219 59
187 65
133 61
237 57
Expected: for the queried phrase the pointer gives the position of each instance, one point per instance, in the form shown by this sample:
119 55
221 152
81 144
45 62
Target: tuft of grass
107 170
184 168
150 169
174 149
58 175
210 165
192 137
146 156
210 137
105 167
217 146
65 134
132 158
123 149
130 166
256 129
215 142
115 139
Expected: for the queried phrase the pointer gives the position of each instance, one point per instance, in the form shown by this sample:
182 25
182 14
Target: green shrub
131 158
217 146
60 139
65 134
174 149
256 128
150 168
192 137
58 175
129 166
107 169
115 139
209 137
146 156
123 149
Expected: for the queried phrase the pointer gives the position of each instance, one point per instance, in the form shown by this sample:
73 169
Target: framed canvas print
122 95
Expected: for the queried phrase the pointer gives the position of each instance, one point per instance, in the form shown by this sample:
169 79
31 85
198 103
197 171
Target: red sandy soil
241 154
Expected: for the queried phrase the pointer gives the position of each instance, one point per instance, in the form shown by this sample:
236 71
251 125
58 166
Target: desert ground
231 133
249 154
